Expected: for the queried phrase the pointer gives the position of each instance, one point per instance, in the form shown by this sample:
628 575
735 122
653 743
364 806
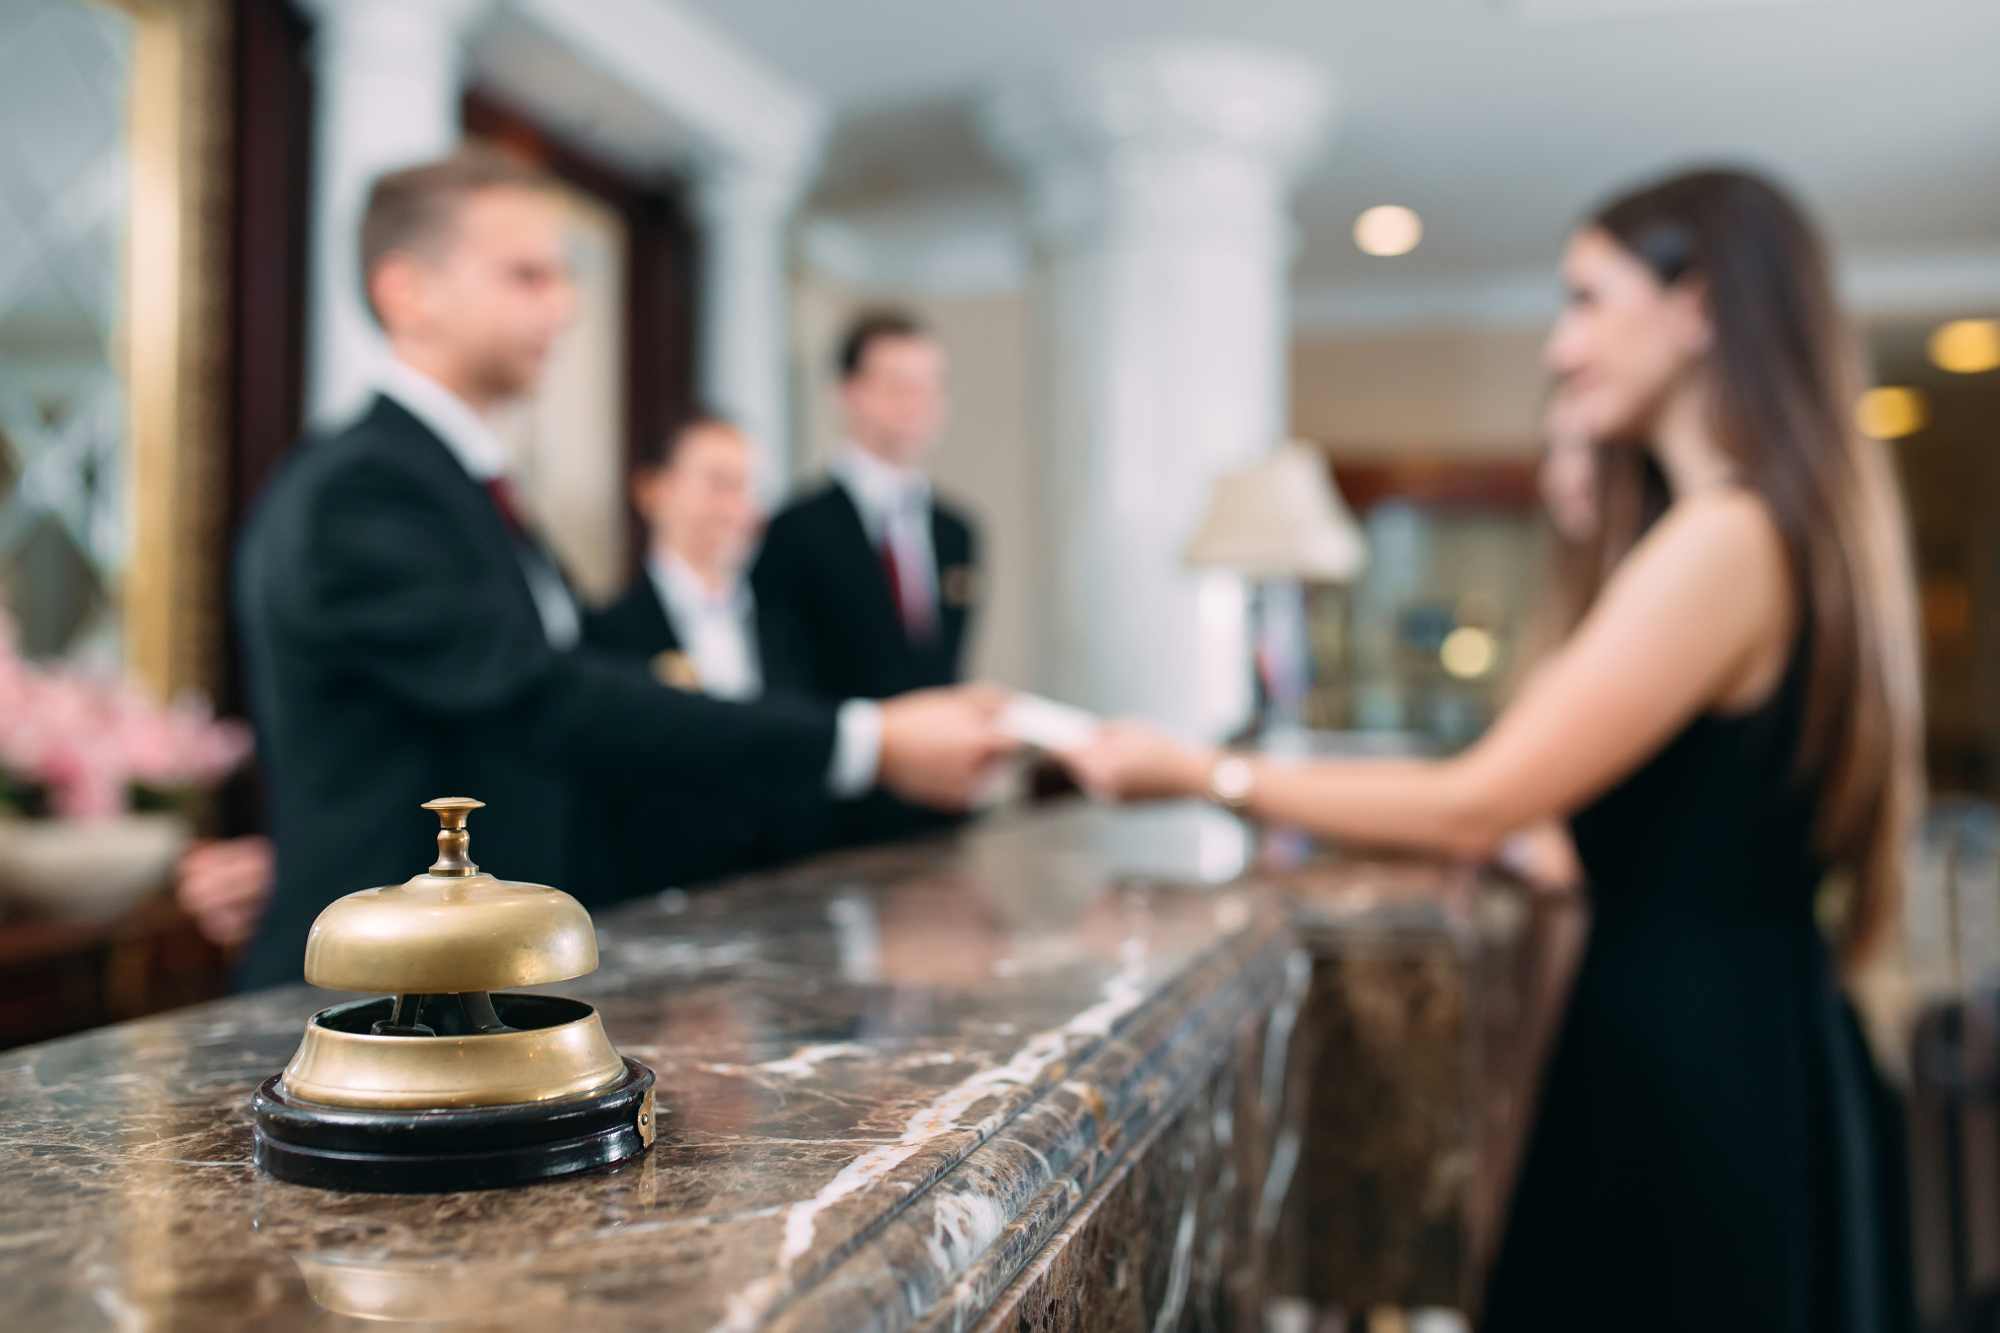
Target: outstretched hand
939 746
1136 761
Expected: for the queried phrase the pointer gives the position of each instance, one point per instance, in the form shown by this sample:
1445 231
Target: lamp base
412 1151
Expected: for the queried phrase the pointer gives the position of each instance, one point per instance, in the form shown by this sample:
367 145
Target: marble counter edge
956 1243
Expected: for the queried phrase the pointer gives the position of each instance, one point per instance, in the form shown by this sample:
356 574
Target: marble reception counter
1047 1075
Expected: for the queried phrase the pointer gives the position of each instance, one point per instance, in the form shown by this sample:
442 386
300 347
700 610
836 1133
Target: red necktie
919 622
502 491
894 574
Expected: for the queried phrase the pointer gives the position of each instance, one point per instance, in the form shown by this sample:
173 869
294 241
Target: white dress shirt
479 451
717 630
895 505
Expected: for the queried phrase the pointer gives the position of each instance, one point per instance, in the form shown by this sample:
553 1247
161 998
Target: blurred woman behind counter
1733 719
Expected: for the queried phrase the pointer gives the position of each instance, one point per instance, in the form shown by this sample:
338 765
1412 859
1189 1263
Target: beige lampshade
1280 518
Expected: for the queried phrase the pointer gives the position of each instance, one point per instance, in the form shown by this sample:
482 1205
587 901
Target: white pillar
744 212
1158 181
388 78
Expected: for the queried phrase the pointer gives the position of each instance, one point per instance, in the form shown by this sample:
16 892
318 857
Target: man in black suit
691 617
871 578
868 583
407 635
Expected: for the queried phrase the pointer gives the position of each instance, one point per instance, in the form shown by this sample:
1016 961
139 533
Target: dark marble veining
887 1082
1432 996
1179 1234
1072 1070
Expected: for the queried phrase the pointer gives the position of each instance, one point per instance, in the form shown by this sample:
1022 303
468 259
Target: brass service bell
446 1078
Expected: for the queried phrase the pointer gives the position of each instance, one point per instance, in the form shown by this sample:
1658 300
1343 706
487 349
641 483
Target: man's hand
939 745
225 887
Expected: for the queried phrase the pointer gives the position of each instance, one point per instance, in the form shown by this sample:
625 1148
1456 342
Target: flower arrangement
74 745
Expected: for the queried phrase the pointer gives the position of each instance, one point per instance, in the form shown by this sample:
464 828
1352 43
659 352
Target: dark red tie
502 491
892 572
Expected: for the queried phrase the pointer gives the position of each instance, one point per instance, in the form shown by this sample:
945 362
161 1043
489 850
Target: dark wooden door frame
271 129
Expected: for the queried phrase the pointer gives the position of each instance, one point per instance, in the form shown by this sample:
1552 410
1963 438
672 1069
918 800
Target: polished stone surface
1075 1070
1180 1233
1432 995
887 1081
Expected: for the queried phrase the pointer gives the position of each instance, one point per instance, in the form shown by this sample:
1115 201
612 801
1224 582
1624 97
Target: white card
1046 724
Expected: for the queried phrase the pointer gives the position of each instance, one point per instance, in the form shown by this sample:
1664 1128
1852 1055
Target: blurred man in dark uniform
691 617
408 636
868 583
871 576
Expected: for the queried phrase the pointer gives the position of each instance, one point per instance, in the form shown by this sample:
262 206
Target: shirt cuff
857 748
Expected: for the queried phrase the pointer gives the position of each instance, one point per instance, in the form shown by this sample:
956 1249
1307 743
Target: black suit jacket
831 615
635 625
832 632
682 838
394 654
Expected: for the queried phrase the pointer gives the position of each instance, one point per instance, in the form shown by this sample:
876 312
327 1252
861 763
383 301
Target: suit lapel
475 506
650 613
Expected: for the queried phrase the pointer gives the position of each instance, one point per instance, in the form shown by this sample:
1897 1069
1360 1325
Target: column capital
1178 142
1261 106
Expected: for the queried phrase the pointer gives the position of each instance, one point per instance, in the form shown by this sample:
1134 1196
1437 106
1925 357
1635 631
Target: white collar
464 432
687 594
879 487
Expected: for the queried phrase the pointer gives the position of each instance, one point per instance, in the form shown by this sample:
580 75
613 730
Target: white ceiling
1498 120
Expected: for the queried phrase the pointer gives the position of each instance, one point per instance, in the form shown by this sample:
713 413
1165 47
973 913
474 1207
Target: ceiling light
1388 229
1891 412
1468 652
1967 346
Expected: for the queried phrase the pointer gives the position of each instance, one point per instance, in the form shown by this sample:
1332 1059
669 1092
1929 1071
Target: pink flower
88 740
93 784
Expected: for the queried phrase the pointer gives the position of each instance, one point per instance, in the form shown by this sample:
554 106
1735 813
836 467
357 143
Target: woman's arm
1699 612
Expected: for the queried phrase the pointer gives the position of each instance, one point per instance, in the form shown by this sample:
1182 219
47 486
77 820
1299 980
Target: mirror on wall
65 197
114 320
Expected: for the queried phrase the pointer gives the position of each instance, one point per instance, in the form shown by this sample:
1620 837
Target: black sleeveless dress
1713 1149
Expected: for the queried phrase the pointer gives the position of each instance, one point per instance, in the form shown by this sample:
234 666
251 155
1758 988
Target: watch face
1232 780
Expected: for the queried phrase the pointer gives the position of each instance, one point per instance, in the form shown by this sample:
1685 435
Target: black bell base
457 1148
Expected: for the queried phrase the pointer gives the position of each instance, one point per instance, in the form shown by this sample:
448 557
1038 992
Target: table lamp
1278 523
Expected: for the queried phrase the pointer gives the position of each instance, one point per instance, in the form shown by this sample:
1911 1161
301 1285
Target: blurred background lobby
1157 238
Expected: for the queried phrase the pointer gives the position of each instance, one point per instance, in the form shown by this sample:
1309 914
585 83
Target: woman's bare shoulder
1721 557
1726 539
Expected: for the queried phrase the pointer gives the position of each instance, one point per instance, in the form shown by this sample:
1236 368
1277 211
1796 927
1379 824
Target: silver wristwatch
1230 781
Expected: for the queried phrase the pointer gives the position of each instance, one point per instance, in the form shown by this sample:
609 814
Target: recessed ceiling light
1468 652
1967 346
1891 412
1388 229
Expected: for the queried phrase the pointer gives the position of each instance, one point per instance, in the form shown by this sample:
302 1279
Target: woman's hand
1545 856
1135 761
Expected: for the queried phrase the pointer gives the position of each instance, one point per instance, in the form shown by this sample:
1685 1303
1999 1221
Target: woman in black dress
1731 724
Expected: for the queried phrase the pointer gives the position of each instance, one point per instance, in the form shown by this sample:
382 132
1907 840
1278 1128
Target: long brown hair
1786 369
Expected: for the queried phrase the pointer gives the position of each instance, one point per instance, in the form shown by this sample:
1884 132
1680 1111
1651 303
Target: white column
1158 181
388 79
744 213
